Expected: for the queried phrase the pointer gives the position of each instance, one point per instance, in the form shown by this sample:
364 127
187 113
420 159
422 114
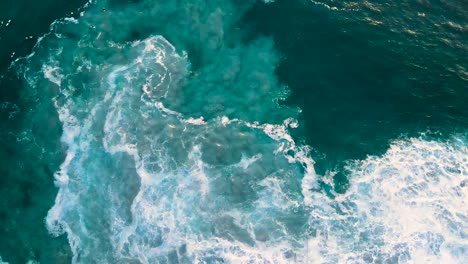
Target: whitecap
407 206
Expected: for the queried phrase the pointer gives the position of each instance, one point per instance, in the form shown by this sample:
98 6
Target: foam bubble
196 121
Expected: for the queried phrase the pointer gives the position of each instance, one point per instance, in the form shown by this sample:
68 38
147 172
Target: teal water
367 73
234 132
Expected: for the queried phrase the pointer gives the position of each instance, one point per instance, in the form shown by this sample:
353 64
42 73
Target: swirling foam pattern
178 152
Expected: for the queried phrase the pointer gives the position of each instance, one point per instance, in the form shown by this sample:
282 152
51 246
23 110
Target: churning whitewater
179 151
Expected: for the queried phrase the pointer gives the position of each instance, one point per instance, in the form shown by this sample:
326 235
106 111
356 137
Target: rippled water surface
234 131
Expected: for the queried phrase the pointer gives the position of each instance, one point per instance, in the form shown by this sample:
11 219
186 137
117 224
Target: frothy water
177 158
406 206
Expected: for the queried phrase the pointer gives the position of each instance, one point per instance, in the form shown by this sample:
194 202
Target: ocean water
231 131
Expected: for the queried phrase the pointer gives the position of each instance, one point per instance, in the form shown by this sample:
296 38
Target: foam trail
170 180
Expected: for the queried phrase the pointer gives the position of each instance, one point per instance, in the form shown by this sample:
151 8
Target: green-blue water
234 131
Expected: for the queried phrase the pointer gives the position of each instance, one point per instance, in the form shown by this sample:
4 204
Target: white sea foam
407 206
169 216
71 20
388 213
53 74
196 121
142 181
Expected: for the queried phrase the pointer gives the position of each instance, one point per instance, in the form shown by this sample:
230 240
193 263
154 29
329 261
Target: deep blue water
234 131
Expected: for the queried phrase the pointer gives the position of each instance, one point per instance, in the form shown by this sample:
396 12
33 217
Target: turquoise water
234 132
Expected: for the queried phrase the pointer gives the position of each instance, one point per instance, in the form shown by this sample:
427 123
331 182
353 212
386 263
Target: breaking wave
178 152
